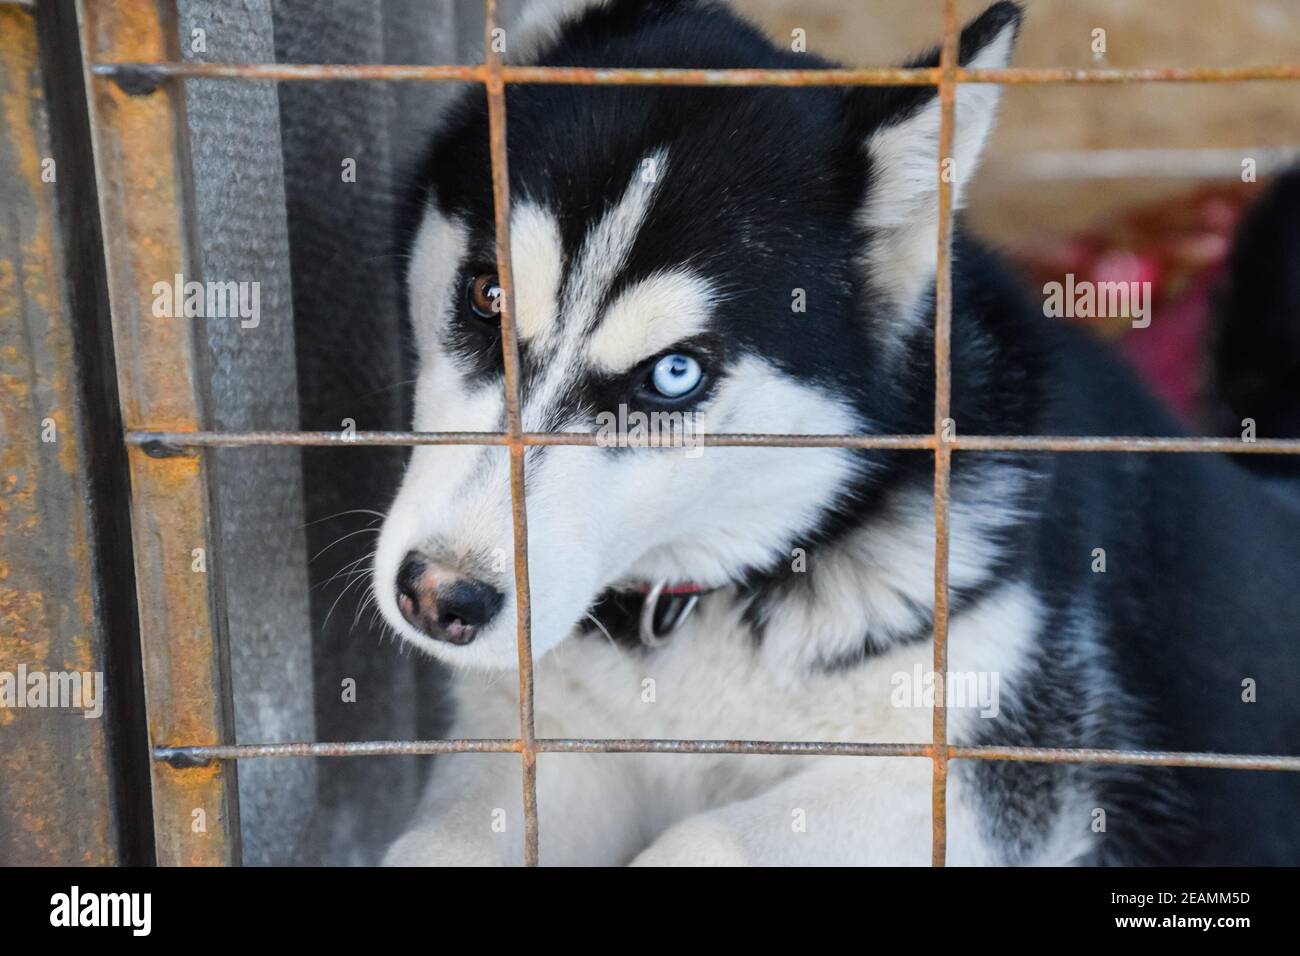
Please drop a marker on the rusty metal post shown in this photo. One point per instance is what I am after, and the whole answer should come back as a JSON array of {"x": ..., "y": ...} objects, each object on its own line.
[
  {"x": 140, "y": 163},
  {"x": 57, "y": 802},
  {"x": 942, "y": 450}
]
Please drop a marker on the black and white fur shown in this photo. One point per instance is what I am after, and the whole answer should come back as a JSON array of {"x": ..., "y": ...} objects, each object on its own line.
[{"x": 757, "y": 193}]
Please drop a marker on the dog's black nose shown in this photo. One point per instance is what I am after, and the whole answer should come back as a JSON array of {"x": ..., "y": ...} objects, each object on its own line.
[{"x": 444, "y": 603}]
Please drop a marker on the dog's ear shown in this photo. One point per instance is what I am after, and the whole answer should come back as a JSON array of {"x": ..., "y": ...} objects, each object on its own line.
[{"x": 899, "y": 127}]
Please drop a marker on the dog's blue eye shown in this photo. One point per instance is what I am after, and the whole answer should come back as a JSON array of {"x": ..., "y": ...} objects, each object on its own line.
[{"x": 676, "y": 375}]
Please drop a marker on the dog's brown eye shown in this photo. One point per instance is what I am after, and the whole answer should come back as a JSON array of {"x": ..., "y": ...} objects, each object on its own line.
[{"x": 484, "y": 294}]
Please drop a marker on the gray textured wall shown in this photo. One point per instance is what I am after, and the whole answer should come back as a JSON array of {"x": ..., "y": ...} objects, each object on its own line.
[
  {"x": 353, "y": 364},
  {"x": 297, "y": 525},
  {"x": 243, "y": 237}
]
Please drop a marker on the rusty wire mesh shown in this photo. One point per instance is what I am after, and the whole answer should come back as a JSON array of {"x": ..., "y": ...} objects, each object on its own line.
[{"x": 142, "y": 78}]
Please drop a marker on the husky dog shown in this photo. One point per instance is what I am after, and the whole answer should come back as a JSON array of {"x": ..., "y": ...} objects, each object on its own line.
[{"x": 763, "y": 260}]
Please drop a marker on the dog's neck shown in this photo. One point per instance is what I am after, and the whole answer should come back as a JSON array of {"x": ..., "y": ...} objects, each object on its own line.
[{"x": 873, "y": 587}]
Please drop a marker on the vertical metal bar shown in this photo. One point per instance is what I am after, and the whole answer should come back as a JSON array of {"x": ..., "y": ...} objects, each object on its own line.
[
  {"x": 140, "y": 164},
  {"x": 942, "y": 453},
  {"x": 57, "y": 806},
  {"x": 514, "y": 424}
]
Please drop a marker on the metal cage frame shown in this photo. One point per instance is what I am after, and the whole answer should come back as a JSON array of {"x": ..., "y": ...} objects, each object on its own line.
[{"x": 133, "y": 73}]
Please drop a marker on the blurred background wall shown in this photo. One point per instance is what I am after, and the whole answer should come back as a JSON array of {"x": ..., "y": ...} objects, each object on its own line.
[
  {"x": 1033, "y": 182},
  {"x": 1134, "y": 182}
]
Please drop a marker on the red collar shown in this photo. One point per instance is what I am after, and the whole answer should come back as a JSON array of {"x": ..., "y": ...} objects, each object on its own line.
[{"x": 667, "y": 589}]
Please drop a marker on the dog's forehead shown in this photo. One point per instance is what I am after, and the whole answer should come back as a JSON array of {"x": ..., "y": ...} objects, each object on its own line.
[
  {"x": 644, "y": 218},
  {"x": 591, "y": 292},
  {"x": 750, "y": 154}
]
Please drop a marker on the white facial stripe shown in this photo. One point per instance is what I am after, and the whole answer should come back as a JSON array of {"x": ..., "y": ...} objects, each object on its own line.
[
  {"x": 606, "y": 247},
  {"x": 435, "y": 264},
  {"x": 602, "y": 256},
  {"x": 649, "y": 317},
  {"x": 538, "y": 259},
  {"x": 757, "y": 396}
]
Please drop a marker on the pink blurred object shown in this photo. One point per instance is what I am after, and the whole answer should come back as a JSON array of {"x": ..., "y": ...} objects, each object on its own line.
[
  {"x": 1179, "y": 246},
  {"x": 1121, "y": 265},
  {"x": 1170, "y": 353}
]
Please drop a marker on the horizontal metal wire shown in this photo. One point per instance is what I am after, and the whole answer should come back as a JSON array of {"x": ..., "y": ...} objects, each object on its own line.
[
  {"x": 165, "y": 444},
  {"x": 194, "y": 756},
  {"x": 182, "y": 757},
  {"x": 144, "y": 76}
]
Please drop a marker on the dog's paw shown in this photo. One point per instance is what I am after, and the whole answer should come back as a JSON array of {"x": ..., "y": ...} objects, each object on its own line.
[
  {"x": 435, "y": 846},
  {"x": 696, "y": 843}
]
